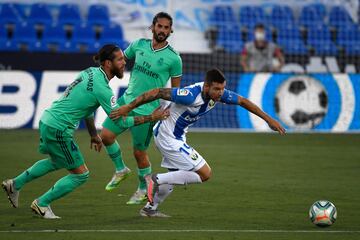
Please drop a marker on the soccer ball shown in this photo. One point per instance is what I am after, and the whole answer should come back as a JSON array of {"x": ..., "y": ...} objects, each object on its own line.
[
  {"x": 301, "y": 102},
  {"x": 323, "y": 213}
]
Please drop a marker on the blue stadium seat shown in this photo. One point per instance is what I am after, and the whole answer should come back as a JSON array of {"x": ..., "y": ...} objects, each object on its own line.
[
  {"x": 289, "y": 39},
  {"x": 24, "y": 35},
  {"x": 320, "y": 39},
  {"x": 349, "y": 38},
  {"x": 222, "y": 15},
  {"x": 312, "y": 15},
  {"x": 69, "y": 14},
  {"x": 339, "y": 17},
  {"x": 9, "y": 14},
  {"x": 53, "y": 37},
  {"x": 281, "y": 16},
  {"x": 112, "y": 34},
  {"x": 230, "y": 39},
  {"x": 249, "y": 16},
  {"x": 98, "y": 15},
  {"x": 83, "y": 38},
  {"x": 40, "y": 14}
]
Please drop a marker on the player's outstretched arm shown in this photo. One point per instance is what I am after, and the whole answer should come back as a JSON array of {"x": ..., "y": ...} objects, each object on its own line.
[
  {"x": 157, "y": 93},
  {"x": 250, "y": 106}
]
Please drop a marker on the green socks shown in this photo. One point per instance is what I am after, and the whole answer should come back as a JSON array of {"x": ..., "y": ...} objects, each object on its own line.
[
  {"x": 141, "y": 174},
  {"x": 40, "y": 168},
  {"x": 62, "y": 187},
  {"x": 114, "y": 153}
]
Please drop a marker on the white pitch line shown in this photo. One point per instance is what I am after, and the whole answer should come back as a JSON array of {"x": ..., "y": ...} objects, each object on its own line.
[{"x": 177, "y": 231}]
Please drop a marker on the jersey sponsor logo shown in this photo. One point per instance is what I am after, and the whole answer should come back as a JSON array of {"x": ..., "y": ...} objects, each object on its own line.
[
  {"x": 192, "y": 119},
  {"x": 113, "y": 101},
  {"x": 183, "y": 92}
]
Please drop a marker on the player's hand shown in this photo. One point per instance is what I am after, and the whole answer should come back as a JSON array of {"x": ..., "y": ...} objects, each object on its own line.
[
  {"x": 96, "y": 143},
  {"x": 276, "y": 126},
  {"x": 122, "y": 111},
  {"x": 160, "y": 114}
]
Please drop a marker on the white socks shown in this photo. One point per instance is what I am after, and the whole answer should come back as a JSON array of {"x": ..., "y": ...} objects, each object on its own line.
[
  {"x": 179, "y": 177},
  {"x": 164, "y": 192}
]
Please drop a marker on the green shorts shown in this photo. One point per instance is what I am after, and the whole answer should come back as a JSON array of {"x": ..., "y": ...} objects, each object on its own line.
[
  {"x": 141, "y": 134},
  {"x": 61, "y": 147}
]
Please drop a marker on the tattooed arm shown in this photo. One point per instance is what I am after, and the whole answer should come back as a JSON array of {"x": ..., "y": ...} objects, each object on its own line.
[{"x": 157, "y": 93}]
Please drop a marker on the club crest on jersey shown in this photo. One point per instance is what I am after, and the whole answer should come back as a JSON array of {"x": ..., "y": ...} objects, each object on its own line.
[
  {"x": 160, "y": 61},
  {"x": 194, "y": 155},
  {"x": 113, "y": 101},
  {"x": 211, "y": 103},
  {"x": 182, "y": 92}
]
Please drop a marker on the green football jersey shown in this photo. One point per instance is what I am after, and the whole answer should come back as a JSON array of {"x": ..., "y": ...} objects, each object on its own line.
[
  {"x": 152, "y": 69},
  {"x": 81, "y": 99}
]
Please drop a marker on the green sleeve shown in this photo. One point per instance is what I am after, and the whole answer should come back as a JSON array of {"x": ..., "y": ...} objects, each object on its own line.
[
  {"x": 106, "y": 99},
  {"x": 108, "y": 102},
  {"x": 130, "y": 50},
  {"x": 176, "y": 68}
]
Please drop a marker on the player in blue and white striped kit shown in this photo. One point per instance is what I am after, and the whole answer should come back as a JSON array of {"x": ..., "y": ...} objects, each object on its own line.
[{"x": 184, "y": 163}]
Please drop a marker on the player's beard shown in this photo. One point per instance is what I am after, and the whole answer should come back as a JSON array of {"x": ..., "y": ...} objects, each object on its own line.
[
  {"x": 158, "y": 39},
  {"x": 118, "y": 73}
]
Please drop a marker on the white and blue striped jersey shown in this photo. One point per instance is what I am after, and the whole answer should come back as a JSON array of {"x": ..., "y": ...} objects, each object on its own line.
[{"x": 187, "y": 106}]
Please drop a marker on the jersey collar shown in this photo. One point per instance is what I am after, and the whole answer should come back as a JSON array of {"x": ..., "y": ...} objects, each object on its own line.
[
  {"x": 101, "y": 70},
  {"x": 157, "y": 50}
]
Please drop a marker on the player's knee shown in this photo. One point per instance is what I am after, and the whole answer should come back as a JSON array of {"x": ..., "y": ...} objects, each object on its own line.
[
  {"x": 107, "y": 137},
  {"x": 206, "y": 175}
]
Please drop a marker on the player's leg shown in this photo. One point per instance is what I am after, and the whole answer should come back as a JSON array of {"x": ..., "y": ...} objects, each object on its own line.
[
  {"x": 108, "y": 135},
  {"x": 176, "y": 155},
  {"x": 65, "y": 154},
  {"x": 151, "y": 209},
  {"x": 141, "y": 136},
  {"x": 12, "y": 186},
  {"x": 38, "y": 169}
]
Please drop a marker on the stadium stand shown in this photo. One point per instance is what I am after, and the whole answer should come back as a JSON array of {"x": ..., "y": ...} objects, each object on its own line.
[{"x": 314, "y": 30}]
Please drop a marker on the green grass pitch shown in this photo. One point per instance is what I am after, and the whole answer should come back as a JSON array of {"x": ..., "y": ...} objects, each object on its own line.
[{"x": 262, "y": 188}]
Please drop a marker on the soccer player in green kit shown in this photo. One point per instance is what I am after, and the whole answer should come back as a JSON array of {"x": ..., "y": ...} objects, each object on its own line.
[
  {"x": 155, "y": 62},
  {"x": 58, "y": 123}
]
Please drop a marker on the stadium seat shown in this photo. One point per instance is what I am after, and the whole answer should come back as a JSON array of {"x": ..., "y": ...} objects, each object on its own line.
[
  {"x": 289, "y": 39},
  {"x": 349, "y": 38},
  {"x": 98, "y": 15},
  {"x": 53, "y": 37},
  {"x": 281, "y": 15},
  {"x": 319, "y": 38},
  {"x": 69, "y": 14},
  {"x": 249, "y": 16},
  {"x": 229, "y": 38},
  {"x": 112, "y": 34},
  {"x": 222, "y": 15},
  {"x": 312, "y": 15},
  {"x": 339, "y": 17},
  {"x": 9, "y": 14},
  {"x": 83, "y": 38},
  {"x": 24, "y": 35},
  {"x": 40, "y": 14}
]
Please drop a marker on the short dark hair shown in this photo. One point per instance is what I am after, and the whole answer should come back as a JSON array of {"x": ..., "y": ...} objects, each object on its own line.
[
  {"x": 214, "y": 75},
  {"x": 259, "y": 26},
  {"x": 162, "y": 15},
  {"x": 106, "y": 53}
]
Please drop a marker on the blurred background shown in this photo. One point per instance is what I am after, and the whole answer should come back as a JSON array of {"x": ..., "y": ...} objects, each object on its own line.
[{"x": 298, "y": 60}]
